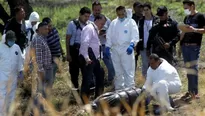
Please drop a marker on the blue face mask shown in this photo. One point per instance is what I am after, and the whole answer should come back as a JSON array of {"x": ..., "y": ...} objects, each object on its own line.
[
  {"x": 10, "y": 43},
  {"x": 122, "y": 19}
]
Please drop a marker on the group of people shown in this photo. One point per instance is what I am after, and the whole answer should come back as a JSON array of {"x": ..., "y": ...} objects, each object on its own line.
[{"x": 92, "y": 37}]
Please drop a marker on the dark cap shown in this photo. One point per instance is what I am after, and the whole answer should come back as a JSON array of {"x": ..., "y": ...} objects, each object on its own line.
[
  {"x": 190, "y": 2},
  {"x": 42, "y": 24},
  {"x": 161, "y": 10},
  {"x": 137, "y": 4},
  {"x": 10, "y": 35}
]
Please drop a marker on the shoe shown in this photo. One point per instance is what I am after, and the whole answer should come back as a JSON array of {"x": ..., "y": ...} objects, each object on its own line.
[
  {"x": 187, "y": 95},
  {"x": 195, "y": 96},
  {"x": 170, "y": 109},
  {"x": 192, "y": 97}
]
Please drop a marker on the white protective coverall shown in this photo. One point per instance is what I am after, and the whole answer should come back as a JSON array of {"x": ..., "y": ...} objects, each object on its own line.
[
  {"x": 34, "y": 17},
  {"x": 119, "y": 36},
  {"x": 163, "y": 81},
  {"x": 11, "y": 63}
]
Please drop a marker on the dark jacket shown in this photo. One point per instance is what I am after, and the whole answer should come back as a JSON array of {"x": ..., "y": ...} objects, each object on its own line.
[
  {"x": 167, "y": 30},
  {"x": 20, "y": 32},
  {"x": 140, "y": 45}
]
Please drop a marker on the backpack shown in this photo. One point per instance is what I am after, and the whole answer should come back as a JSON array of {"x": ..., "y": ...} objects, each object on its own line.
[{"x": 77, "y": 24}]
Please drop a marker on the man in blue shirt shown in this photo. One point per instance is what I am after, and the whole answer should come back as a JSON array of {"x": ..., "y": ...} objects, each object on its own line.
[{"x": 73, "y": 38}]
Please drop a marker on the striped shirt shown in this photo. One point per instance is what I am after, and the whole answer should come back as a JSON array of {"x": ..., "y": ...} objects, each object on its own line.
[
  {"x": 42, "y": 52},
  {"x": 53, "y": 41}
]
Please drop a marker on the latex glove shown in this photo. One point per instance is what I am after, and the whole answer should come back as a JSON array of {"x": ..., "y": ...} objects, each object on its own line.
[
  {"x": 20, "y": 76},
  {"x": 130, "y": 48},
  {"x": 107, "y": 51}
]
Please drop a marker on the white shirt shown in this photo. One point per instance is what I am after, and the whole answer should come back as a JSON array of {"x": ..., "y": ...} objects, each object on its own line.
[
  {"x": 147, "y": 27},
  {"x": 165, "y": 71}
]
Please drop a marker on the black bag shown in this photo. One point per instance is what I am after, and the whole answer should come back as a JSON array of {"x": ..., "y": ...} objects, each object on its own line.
[{"x": 114, "y": 99}]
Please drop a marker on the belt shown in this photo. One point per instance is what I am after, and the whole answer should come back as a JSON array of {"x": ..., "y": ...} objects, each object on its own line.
[
  {"x": 190, "y": 44},
  {"x": 103, "y": 45}
]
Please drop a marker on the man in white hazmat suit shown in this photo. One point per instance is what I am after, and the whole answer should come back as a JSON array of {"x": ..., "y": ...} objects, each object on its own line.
[
  {"x": 31, "y": 26},
  {"x": 122, "y": 37},
  {"x": 162, "y": 80},
  {"x": 11, "y": 66}
]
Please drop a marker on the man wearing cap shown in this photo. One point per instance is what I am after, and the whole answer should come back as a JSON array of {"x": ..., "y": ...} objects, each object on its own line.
[
  {"x": 97, "y": 9},
  {"x": 163, "y": 36},
  {"x": 191, "y": 44},
  {"x": 11, "y": 67},
  {"x": 122, "y": 37}
]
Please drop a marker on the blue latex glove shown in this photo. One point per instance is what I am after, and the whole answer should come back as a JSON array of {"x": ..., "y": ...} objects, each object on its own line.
[
  {"x": 20, "y": 76},
  {"x": 130, "y": 48},
  {"x": 107, "y": 51}
]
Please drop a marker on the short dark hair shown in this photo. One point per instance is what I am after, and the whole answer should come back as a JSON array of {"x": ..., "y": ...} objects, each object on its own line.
[
  {"x": 154, "y": 57},
  {"x": 85, "y": 10},
  {"x": 99, "y": 17},
  {"x": 17, "y": 9},
  {"x": 189, "y": 2},
  {"x": 95, "y": 3},
  {"x": 148, "y": 5},
  {"x": 120, "y": 8},
  {"x": 42, "y": 24},
  {"x": 47, "y": 20}
]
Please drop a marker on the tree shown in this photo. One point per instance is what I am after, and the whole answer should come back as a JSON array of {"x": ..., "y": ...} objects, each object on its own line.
[{"x": 12, "y": 4}]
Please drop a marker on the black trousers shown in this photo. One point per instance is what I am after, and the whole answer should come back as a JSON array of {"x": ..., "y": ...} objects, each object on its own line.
[
  {"x": 88, "y": 71},
  {"x": 74, "y": 65}
]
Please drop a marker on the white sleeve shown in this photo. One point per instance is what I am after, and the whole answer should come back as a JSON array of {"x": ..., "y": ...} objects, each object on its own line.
[
  {"x": 20, "y": 60},
  {"x": 148, "y": 83},
  {"x": 134, "y": 32}
]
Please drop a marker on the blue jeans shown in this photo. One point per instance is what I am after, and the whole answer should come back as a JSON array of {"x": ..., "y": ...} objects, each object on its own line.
[
  {"x": 191, "y": 57},
  {"x": 44, "y": 87},
  {"x": 145, "y": 62},
  {"x": 55, "y": 68},
  {"x": 108, "y": 63}
]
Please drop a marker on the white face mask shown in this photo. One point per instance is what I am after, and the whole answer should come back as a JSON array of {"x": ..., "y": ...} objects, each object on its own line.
[{"x": 187, "y": 11}]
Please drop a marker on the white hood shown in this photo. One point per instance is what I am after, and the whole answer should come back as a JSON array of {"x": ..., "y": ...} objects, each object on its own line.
[
  {"x": 129, "y": 13},
  {"x": 34, "y": 17}
]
